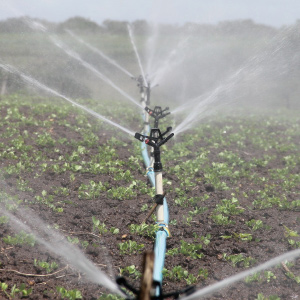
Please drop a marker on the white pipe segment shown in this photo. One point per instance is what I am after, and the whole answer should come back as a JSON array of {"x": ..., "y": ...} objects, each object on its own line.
[{"x": 159, "y": 191}]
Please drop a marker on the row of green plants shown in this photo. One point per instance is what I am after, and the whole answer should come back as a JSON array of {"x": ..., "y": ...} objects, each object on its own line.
[{"x": 42, "y": 151}]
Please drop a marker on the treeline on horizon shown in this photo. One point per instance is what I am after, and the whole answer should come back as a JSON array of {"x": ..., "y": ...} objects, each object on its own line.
[
  {"x": 19, "y": 25},
  {"x": 213, "y": 54}
]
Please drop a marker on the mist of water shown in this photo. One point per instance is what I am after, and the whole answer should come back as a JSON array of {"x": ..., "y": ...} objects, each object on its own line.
[
  {"x": 39, "y": 85},
  {"x": 235, "y": 278},
  {"x": 108, "y": 59},
  {"x": 137, "y": 55},
  {"x": 171, "y": 60},
  {"x": 223, "y": 95},
  {"x": 151, "y": 46},
  {"x": 76, "y": 56},
  {"x": 57, "y": 244},
  {"x": 37, "y": 26},
  {"x": 201, "y": 104}
]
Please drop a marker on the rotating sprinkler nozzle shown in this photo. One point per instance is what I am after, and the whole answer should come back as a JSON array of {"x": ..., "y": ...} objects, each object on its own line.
[
  {"x": 155, "y": 140},
  {"x": 158, "y": 113},
  {"x": 145, "y": 88}
]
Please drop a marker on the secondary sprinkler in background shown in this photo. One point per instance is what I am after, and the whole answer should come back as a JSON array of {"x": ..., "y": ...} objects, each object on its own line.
[
  {"x": 158, "y": 113},
  {"x": 145, "y": 89}
]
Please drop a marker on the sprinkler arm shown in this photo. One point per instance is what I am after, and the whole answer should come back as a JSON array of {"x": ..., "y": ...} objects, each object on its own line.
[
  {"x": 140, "y": 82},
  {"x": 155, "y": 140},
  {"x": 157, "y": 113}
]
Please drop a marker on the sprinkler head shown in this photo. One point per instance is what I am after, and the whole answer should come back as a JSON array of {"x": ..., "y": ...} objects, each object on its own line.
[
  {"x": 158, "y": 113},
  {"x": 156, "y": 138}
]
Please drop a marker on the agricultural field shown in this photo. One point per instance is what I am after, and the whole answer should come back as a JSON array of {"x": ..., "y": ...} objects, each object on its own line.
[{"x": 233, "y": 190}]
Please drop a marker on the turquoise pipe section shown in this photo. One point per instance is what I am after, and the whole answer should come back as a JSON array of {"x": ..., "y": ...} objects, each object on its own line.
[{"x": 159, "y": 254}]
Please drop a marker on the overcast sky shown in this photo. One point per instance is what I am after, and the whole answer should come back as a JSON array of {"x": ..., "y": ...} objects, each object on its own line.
[{"x": 270, "y": 12}]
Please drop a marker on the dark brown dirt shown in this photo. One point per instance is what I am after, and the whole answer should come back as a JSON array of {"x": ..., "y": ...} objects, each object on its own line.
[{"x": 76, "y": 221}]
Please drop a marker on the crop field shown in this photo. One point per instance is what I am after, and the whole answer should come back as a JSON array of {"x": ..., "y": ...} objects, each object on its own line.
[
  {"x": 233, "y": 189},
  {"x": 75, "y": 194}
]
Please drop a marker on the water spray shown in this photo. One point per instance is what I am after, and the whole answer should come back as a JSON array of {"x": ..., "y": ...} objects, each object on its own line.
[
  {"x": 110, "y": 60},
  {"x": 77, "y": 57},
  {"x": 209, "y": 290},
  {"x": 136, "y": 53},
  {"x": 40, "y": 85},
  {"x": 145, "y": 92},
  {"x": 57, "y": 244},
  {"x": 58, "y": 43}
]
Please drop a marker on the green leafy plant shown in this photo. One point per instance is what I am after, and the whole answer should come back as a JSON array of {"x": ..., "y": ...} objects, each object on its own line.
[
  {"x": 254, "y": 224},
  {"x": 220, "y": 219},
  {"x": 110, "y": 297},
  {"x": 130, "y": 271},
  {"x": 261, "y": 296},
  {"x": 187, "y": 249},
  {"x": 69, "y": 294},
  {"x": 21, "y": 290},
  {"x": 92, "y": 190},
  {"x": 144, "y": 229},
  {"x": 243, "y": 236},
  {"x": 3, "y": 220},
  {"x": 20, "y": 239},
  {"x": 100, "y": 227},
  {"x": 130, "y": 247},
  {"x": 178, "y": 273},
  {"x": 49, "y": 267},
  {"x": 239, "y": 260}
]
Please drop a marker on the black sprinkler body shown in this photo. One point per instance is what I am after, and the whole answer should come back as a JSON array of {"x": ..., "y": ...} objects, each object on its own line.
[
  {"x": 143, "y": 87},
  {"x": 157, "y": 113},
  {"x": 155, "y": 140}
]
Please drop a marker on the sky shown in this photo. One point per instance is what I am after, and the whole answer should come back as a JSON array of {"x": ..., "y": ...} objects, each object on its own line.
[{"x": 270, "y": 12}]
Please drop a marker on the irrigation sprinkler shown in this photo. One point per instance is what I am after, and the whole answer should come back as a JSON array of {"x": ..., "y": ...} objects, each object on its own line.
[
  {"x": 156, "y": 140},
  {"x": 142, "y": 86},
  {"x": 157, "y": 113},
  {"x": 151, "y": 283}
]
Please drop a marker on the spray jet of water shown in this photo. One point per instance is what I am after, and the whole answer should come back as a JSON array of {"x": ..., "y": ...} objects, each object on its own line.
[
  {"x": 137, "y": 54},
  {"x": 61, "y": 247},
  {"x": 40, "y": 85},
  {"x": 169, "y": 62},
  {"x": 151, "y": 47},
  {"x": 250, "y": 70},
  {"x": 198, "y": 110},
  {"x": 232, "y": 279},
  {"x": 76, "y": 56},
  {"x": 37, "y": 26},
  {"x": 110, "y": 60}
]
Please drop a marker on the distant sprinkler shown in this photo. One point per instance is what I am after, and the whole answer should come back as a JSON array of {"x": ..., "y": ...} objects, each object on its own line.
[{"x": 145, "y": 88}]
